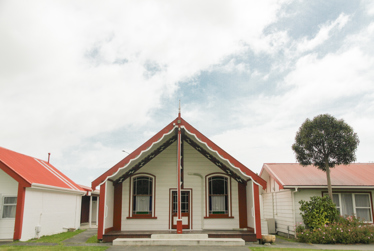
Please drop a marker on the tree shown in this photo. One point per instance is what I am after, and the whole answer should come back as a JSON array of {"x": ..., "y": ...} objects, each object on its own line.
[{"x": 325, "y": 142}]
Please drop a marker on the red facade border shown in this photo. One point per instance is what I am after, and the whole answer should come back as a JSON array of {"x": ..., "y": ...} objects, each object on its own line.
[
  {"x": 100, "y": 227},
  {"x": 19, "y": 212},
  {"x": 256, "y": 195}
]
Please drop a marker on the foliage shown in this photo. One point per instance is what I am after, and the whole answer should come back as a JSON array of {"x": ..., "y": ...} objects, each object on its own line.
[
  {"x": 325, "y": 142},
  {"x": 318, "y": 211},
  {"x": 348, "y": 230},
  {"x": 56, "y": 238}
]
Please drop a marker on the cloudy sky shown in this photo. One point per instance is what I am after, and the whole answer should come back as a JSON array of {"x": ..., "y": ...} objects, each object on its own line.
[{"x": 85, "y": 79}]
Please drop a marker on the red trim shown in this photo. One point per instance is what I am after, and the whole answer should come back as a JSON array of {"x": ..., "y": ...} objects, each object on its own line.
[
  {"x": 242, "y": 197},
  {"x": 190, "y": 204},
  {"x": 207, "y": 215},
  {"x": 14, "y": 175},
  {"x": 256, "y": 195},
  {"x": 141, "y": 217},
  {"x": 117, "y": 207},
  {"x": 109, "y": 229},
  {"x": 19, "y": 212},
  {"x": 167, "y": 129},
  {"x": 134, "y": 154},
  {"x": 220, "y": 216},
  {"x": 224, "y": 154},
  {"x": 100, "y": 227},
  {"x": 179, "y": 220},
  {"x": 131, "y": 216}
]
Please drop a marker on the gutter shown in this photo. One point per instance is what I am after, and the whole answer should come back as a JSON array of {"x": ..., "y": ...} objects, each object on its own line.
[{"x": 57, "y": 189}]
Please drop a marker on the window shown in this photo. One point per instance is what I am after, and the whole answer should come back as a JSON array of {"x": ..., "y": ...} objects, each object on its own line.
[
  {"x": 9, "y": 207},
  {"x": 142, "y": 199},
  {"x": 218, "y": 197},
  {"x": 357, "y": 204}
]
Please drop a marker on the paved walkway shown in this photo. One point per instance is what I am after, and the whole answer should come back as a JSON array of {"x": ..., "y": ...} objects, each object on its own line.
[{"x": 80, "y": 240}]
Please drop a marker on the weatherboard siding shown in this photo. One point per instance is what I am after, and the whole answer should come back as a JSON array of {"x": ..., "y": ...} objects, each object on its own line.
[
  {"x": 55, "y": 212},
  {"x": 163, "y": 167},
  {"x": 109, "y": 204},
  {"x": 195, "y": 162},
  {"x": 8, "y": 187}
]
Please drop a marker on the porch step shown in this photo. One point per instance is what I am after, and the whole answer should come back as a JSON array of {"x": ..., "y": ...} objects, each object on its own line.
[{"x": 178, "y": 240}]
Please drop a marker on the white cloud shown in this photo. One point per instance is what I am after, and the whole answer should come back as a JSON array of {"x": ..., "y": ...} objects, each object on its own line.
[{"x": 323, "y": 34}]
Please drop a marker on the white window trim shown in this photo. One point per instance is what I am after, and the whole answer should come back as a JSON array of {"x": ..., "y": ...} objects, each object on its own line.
[
  {"x": 354, "y": 204},
  {"x": 3, "y": 196},
  {"x": 132, "y": 194},
  {"x": 229, "y": 206}
]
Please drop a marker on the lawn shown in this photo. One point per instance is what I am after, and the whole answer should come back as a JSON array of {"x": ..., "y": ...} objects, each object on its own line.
[
  {"x": 53, "y": 248},
  {"x": 55, "y": 239}
]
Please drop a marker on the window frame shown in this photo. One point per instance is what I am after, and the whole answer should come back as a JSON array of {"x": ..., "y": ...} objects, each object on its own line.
[
  {"x": 353, "y": 194},
  {"x": 132, "y": 215},
  {"x": 208, "y": 215},
  {"x": 8, "y": 204}
]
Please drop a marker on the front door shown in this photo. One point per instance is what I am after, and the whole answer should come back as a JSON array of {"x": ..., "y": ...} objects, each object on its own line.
[{"x": 185, "y": 209}]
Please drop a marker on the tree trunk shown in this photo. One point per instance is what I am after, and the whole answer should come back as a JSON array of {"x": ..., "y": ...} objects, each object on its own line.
[{"x": 329, "y": 188}]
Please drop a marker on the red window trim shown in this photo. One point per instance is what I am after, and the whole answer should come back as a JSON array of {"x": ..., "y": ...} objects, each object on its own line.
[
  {"x": 143, "y": 216},
  {"x": 229, "y": 194}
]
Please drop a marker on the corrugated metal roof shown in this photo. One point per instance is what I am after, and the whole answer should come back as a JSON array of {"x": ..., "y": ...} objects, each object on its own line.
[
  {"x": 35, "y": 171},
  {"x": 355, "y": 174}
]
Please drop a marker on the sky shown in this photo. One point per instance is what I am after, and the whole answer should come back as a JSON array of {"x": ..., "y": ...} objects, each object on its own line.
[{"x": 85, "y": 80}]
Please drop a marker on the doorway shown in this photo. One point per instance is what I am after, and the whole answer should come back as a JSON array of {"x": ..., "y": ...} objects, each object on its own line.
[{"x": 185, "y": 209}]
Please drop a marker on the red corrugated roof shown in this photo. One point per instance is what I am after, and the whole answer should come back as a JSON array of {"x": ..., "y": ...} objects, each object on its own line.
[
  {"x": 29, "y": 170},
  {"x": 355, "y": 174}
]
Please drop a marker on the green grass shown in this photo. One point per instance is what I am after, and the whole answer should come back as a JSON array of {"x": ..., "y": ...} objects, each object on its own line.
[
  {"x": 290, "y": 249},
  {"x": 52, "y": 248},
  {"x": 92, "y": 239},
  {"x": 285, "y": 238},
  {"x": 56, "y": 238}
]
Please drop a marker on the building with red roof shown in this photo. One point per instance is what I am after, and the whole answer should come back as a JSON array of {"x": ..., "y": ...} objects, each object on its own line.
[
  {"x": 287, "y": 184},
  {"x": 35, "y": 198},
  {"x": 176, "y": 181}
]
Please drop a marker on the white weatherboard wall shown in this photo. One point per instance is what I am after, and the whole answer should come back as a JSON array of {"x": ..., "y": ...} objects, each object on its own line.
[
  {"x": 163, "y": 166},
  {"x": 8, "y": 187},
  {"x": 109, "y": 204},
  {"x": 196, "y": 163},
  {"x": 54, "y": 211},
  {"x": 250, "y": 206}
]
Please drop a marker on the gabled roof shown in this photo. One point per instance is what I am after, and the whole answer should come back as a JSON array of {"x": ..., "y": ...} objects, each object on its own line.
[
  {"x": 163, "y": 139},
  {"x": 296, "y": 175},
  {"x": 33, "y": 172}
]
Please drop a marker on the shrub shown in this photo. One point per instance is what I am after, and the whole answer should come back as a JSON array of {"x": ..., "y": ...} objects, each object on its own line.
[
  {"x": 319, "y": 211},
  {"x": 348, "y": 230}
]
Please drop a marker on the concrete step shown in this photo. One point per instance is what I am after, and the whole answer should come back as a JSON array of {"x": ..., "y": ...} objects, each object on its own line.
[
  {"x": 179, "y": 236},
  {"x": 178, "y": 241}
]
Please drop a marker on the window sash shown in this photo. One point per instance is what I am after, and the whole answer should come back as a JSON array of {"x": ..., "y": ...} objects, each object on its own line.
[
  {"x": 218, "y": 189},
  {"x": 9, "y": 207},
  {"x": 142, "y": 199},
  {"x": 357, "y": 204}
]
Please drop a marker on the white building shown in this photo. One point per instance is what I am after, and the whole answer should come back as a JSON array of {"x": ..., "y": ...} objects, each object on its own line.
[{"x": 35, "y": 198}]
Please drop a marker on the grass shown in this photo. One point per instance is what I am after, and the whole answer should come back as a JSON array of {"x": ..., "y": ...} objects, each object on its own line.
[
  {"x": 92, "y": 239},
  {"x": 285, "y": 238},
  {"x": 56, "y": 238},
  {"x": 52, "y": 248}
]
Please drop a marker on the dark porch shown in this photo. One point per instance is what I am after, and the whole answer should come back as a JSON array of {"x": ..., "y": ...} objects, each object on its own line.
[{"x": 246, "y": 235}]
